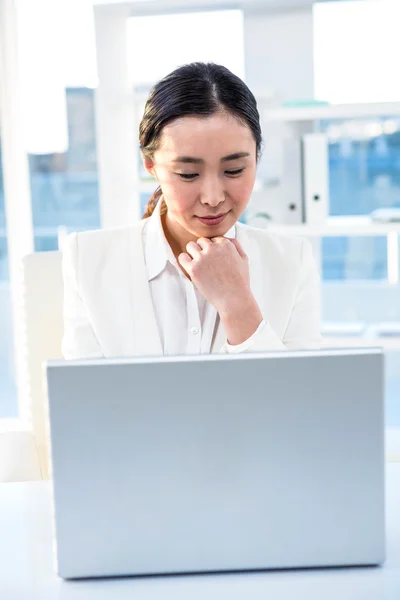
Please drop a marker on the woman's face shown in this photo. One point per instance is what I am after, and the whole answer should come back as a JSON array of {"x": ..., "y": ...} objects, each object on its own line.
[{"x": 206, "y": 168}]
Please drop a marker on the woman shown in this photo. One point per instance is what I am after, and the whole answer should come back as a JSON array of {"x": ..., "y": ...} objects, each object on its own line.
[{"x": 190, "y": 279}]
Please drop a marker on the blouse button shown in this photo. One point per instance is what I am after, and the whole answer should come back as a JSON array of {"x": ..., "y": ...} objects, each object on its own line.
[{"x": 194, "y": 330}]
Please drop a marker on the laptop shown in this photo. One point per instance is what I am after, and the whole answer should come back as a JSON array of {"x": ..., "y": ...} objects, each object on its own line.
[{"x": 217, "y": 463}]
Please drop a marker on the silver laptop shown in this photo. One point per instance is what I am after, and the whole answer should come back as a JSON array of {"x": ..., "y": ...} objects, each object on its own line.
[{"x": 214, "y": 463}]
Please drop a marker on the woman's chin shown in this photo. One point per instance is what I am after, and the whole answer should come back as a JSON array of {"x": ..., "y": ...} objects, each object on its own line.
[{"x": 211, "y": 229}]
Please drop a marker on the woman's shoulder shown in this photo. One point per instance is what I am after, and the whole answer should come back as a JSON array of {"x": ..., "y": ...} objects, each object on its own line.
[
  {"x": 106, "y": 235},
  {"x": 100, "y": 246},
  {"x": 273, "y": 244},
  {"x": 279, "y": 254},
  {"x": 97, "y": 238}
]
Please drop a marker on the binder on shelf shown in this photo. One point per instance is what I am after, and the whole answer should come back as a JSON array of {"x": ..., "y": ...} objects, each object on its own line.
[
  {"x": 315, "y": 169},
  {"x": 292, "y": 182}
]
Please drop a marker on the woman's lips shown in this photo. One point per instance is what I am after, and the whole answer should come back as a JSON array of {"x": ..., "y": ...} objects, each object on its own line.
[{"x": 212, "y": 221}]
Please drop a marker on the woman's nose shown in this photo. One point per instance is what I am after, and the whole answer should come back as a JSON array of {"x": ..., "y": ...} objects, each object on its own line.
[{"x": 212, "y": 193}]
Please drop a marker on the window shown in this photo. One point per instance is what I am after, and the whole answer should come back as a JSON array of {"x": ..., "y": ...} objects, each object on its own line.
[
  {"x": 355, "y": 50},
  {"x": 56, "y": 98},
  {"x": 64, "y": 186},
  {"x": 364, "y": 168},
  {"x": 8, "y": 404}
]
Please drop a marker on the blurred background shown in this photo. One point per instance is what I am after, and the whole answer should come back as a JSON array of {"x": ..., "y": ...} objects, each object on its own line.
[{"x": 74, "y": 78}]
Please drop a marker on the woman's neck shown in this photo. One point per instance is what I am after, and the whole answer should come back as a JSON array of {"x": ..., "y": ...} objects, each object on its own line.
[{"x": 177, "y": 237}]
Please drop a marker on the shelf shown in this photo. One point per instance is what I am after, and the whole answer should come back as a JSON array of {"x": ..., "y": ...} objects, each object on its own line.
[
  {"x": 333, "y": 111},
  {"x": 385, "y": 334},
  {"x": 337, "y": 226},
  {"x": 387, "y": 343}
]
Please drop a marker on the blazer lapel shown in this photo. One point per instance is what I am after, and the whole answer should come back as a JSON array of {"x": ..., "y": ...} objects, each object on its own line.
[
  {"x": 252, "y": 250},
  {"x": 146, "y": 338},
  {"x": 257, "y": 269},
  {"x": 219, "y": 338}
]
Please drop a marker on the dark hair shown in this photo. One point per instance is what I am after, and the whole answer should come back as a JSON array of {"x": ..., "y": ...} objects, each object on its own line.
[{"x": 197, "y": 89}]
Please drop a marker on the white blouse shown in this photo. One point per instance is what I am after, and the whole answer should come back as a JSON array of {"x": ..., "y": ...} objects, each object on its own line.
[{"x": 186, "y": 321}]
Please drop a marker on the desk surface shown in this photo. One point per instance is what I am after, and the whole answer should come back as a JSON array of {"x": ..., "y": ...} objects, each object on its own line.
[{"x": 26, "y": 564}]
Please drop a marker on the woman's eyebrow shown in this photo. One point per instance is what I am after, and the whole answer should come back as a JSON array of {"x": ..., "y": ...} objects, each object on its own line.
[
  {"x": 235, "y": 156},
  {"x": 188, "y": 159},
  {"x": 193, "y": 160}
]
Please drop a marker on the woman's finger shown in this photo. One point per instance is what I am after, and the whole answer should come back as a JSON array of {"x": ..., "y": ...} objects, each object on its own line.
[
  {"x": 238, "y": 247},
  {"x": 185, "y": 260},
  {"x": 193, "y": 249},
  {"x": 219, "y": 240},
  {"x": 204, "y": 243}
]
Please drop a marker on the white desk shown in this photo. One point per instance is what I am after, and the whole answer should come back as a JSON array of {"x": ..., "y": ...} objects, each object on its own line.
[{"x": 26, "y": 564}]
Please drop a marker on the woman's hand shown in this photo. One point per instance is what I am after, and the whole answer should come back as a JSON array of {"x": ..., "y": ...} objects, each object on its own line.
[{"x": 219, "y": 268}]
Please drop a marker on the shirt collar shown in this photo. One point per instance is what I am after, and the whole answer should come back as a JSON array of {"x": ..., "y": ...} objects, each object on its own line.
[{"x": 157, "y": 250}]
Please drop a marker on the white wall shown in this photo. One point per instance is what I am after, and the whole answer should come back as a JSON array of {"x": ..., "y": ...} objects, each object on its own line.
[{"x": 279, "y": 52}]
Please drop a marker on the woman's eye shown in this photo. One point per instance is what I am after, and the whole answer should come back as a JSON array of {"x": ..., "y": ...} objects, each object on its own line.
[
  {"x": 235, "y": 172},
  {"x": 191, "y": 176},
  {"x": 187, "y": 176}
]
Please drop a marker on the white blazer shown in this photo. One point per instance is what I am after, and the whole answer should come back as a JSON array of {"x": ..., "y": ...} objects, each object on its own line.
[{"x": 108, "y": 310}]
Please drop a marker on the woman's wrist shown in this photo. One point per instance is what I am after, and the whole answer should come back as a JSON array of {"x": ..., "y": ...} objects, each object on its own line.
[{"x": 241, "y": 320}]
